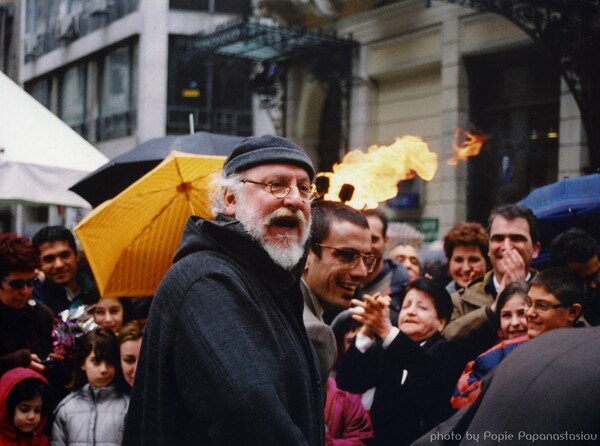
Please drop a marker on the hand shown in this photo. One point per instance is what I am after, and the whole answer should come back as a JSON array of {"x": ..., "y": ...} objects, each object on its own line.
[
  {"x": 36, "y": 364},
  {"x": 58, "y": 354},
  {"x": 374, "y": 313},
  {"x": 512, "y": 267}
]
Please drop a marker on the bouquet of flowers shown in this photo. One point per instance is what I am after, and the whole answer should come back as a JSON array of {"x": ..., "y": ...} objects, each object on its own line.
[{"x": 70, "y": 325}]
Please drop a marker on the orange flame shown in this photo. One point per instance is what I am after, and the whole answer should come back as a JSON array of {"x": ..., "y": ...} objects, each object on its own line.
[
  {"x": 375, "y": 174},
  {"x": 471, "y": 146}
]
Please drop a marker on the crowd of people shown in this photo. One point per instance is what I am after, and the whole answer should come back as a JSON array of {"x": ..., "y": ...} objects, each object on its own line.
[{"x": 285, "y": 320}]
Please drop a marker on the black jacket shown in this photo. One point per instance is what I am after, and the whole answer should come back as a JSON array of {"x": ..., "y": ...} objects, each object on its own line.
[
  {"x": 413, "y": 384},
  {"x": 225, "y": 357}
]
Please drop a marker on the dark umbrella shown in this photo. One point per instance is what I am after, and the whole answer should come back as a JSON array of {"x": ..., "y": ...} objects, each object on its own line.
[
  {"x": 110, "y": 179},
  {"x": 568, "y": 203}
]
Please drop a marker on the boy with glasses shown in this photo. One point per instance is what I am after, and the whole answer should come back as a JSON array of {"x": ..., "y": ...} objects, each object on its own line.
[
  {"x": 554, "y": 300},
  {"x": 25, "y": 325}
]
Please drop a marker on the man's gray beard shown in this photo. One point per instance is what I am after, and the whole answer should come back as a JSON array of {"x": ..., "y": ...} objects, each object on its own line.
[{"x": 285, "y": 256}]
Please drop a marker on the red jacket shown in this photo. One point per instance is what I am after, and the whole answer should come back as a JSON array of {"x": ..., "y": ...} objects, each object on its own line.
[
  {"x": 348, "y": 423},
  {"x": 9, "y": 435}
]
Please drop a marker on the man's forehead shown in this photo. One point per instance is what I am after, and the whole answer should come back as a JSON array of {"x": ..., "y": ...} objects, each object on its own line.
[
  {"x": 55, "y": 246},
  {"x": 346, "y": 230},
  {"x": 277, "y": 169},
  {"x": 516, "y": 225}
]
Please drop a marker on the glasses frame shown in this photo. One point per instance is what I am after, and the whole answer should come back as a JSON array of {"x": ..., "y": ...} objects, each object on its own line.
[
  {"x": 353, "y": 263},
  {"x": 545, "y": 307},
  {"x": 22, "y": 283},
  {"x": 313, "y": 194}
]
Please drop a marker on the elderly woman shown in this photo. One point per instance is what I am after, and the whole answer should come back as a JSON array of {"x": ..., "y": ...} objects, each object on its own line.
[
  {"x": 413, "y": 368},
  {"x": 465, "y": 246}
]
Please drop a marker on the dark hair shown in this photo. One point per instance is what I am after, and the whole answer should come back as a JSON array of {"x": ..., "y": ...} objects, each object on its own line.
[
  {"x": 514, "y": 211},
  {"x": 378, "y": 214},
  {"x": 566, "y": 285},
  {"x": 343, "y": 323},
  {"x": 573, "y": 245},
  {"x": 26, "y": 390},
  {"x": 466, "y": 234},
  {"x": 49, "y": 234},
  {"x": 518, "y": 287},
  {"x": 439, "y": 295},
  {"x": 16, "y": 254},
  {"x": 105, "y": 346},
  {"x": 324, "y": 214},
  {"x": 132, "y": 331}
]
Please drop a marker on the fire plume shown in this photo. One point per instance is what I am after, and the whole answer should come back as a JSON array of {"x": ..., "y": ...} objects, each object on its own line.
[
  {"x": 375, "y": 174},
  {"x": 470, "y": 146}
]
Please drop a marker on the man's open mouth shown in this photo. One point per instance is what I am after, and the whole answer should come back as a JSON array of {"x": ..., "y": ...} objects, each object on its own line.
[{"x": 289, "y": 222}]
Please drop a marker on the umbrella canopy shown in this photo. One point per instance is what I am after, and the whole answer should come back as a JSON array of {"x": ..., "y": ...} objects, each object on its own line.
[
  {"x": 568, "y": 203},
  {"x": 110, "y": 179},
  {"x": 130, "y": 240},
  {"x": 566, "y": 197},
  {"x": 40, "y": 155}
]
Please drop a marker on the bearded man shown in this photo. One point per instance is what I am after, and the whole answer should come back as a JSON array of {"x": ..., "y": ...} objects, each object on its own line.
[{"x": 225, "y": 357}]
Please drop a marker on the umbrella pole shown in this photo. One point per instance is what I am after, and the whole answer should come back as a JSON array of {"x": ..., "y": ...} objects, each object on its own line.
[{"x": 191, "y": 117}]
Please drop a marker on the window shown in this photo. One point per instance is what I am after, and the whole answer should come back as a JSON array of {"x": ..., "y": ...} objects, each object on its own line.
[
  {"x": 40, "y": 90},
  {"x": 242, "y": 7},
  {"x": 72, "y": 102},
  {"x": 215, "y": 91},
  {"x": 514, "y": 98},
  {"x": 117, "y": 95}
]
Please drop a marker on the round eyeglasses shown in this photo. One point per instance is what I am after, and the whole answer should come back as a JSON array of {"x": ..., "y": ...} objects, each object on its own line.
[
  {"x": 351, "y": 256},
  {"x": 308, "y": 192},
  {"x": 540, "y": 305}
]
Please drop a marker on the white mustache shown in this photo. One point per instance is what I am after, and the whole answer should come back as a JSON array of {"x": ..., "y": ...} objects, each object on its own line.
[{"x": 285, "y": 213}]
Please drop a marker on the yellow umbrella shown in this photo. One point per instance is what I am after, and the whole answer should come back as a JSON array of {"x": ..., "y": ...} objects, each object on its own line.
[{"x": 130, "y": 240}]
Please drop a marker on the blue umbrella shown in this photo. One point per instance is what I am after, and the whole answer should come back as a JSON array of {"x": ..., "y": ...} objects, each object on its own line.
[
  {"x": 565, "y": 198},
  {"x": 568, "y": 203}
]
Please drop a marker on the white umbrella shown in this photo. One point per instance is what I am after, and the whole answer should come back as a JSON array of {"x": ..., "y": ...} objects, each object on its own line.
[{"x": 40, "y": 155}]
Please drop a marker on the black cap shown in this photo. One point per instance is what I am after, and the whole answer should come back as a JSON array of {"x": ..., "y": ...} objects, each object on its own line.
[{"x": 267, "y": 149}]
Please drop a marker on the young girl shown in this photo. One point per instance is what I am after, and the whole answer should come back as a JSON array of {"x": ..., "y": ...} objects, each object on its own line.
[
  {"x": 23, "y": 408},
  {"x": 512, "y": 332},
  {"x": 94, "y": 413}
]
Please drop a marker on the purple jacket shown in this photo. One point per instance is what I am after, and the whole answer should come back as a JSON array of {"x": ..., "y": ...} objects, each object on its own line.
[{"x": 348, "y": 423}]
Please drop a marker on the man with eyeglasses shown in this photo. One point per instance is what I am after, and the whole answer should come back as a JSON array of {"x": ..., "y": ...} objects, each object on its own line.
[
  {"x": 225, "y": 357},
  {"x": 578, "y": 251},
  {"x": 25, "y": 325},
  {"x": 338, "y": 261},
  {"x": 513, "y": 244},
  {"x": 64, "y": 285}
]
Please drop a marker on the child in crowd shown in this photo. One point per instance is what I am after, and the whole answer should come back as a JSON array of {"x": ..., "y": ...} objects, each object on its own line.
[
  {"x": 552, "y": 300},
  {"x": 94, "y": 413},
  {"x": 111, "y": 313},
  {"x": 130, "y": 341},
  {"x": 23, "y": 408}
]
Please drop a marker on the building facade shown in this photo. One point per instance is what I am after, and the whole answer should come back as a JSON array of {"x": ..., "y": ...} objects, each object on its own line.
[{"x": 120, "y": 72}]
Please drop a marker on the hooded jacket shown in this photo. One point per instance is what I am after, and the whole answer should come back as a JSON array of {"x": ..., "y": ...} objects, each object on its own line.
[
  {"x": 9, "y": 435},
  {"x": 90, "y": 416},
  {"x": 225, "y": 358}
]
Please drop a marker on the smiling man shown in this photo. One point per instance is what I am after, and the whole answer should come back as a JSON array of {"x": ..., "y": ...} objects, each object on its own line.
[
  {"x": 338, "y": 261},
  {"x": 225, "y": 357},
  {"x": 513, "y": 244},
  {"x": 64, "y": 285}
]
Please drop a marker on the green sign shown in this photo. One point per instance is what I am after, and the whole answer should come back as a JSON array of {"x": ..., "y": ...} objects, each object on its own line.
[{"x": 428, "y": 226}]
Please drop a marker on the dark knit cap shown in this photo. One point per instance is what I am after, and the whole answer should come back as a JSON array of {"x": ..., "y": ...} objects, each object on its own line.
[{"x": 267, "y": 149}]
